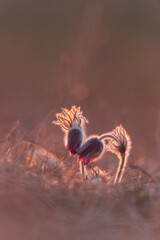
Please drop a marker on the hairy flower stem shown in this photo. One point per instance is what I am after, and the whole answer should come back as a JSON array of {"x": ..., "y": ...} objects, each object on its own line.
[
  {"x": 120, "y": 171},
  {"x": 106, "y": 136},
  {"x": 82, "y": 169}
]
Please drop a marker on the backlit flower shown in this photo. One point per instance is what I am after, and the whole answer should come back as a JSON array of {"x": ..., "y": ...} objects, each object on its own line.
[
  {"x": 91, "y": 150},
  {"x": 74, "y": 139},
  {"x": 120, "y": 145},
  {"x": 72, "y": 123}
]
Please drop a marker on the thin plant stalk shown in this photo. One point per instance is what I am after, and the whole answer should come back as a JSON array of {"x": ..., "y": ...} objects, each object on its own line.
[
  {"x": 82, "y": 169},
  {"x": 120, "y": 170}
]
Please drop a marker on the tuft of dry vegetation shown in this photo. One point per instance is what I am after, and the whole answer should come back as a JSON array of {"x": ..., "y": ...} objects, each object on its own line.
[{"x": 45, "y": 197}]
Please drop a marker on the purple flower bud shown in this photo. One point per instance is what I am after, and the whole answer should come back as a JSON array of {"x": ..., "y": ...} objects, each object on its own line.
[
  {"x": 90, "y": 150},
  {"x": 74, "y": 140}
]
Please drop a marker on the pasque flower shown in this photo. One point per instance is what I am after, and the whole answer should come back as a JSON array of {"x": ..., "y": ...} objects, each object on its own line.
[
  {"x": 72, "y": 123},
  {"x": 91, "y": 150},
  {"x": 75, "y": 137}
]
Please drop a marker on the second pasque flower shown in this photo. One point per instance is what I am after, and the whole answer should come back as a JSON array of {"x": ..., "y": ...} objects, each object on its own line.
[
  {"x": 72, "y": 123},
  {"x": 91, "y": 150}
]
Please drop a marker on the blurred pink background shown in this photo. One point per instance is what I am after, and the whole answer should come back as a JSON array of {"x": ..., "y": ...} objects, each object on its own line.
[{"x": 101, "y": 55}]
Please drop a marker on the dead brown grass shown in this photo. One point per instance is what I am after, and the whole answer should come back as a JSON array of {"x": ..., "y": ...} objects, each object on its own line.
[{"x": 45, "y": 197}]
